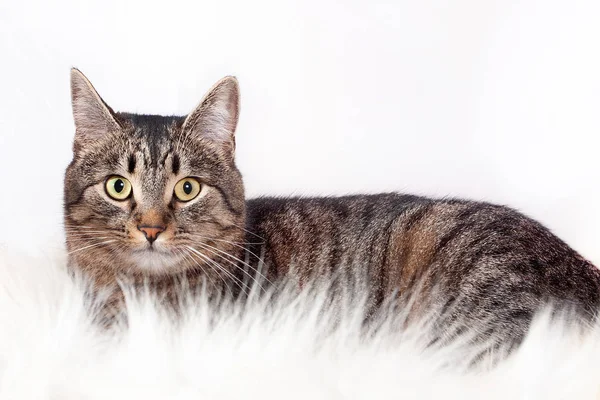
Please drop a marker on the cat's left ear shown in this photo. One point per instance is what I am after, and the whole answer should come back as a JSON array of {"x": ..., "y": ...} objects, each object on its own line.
[{"x": 216, "y": 118}]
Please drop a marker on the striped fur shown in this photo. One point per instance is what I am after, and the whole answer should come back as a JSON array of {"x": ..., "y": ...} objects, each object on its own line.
[{"x": 477, "y": 262}]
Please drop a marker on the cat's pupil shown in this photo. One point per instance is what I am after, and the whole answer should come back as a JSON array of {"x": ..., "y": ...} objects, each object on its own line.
[
  {"x": 119, "y": 185},
  {"x": 187, "y": 187}
]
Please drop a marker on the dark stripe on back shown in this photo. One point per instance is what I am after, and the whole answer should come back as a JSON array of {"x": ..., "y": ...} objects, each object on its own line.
[
  {"x": 416, "y": 216},
  {"x": 465, "y": 224}
]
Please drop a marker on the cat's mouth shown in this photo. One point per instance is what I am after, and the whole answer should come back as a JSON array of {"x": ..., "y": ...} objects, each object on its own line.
[{"x": 155, "y": 260}]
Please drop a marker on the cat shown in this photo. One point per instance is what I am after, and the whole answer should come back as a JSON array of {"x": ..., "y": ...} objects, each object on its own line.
[{"x": 154, "y": 197}]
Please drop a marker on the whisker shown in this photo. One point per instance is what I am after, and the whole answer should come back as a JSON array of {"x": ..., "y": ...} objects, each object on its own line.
[
  {"x": 234, "y": 264},
  {"x": 91, "y": 246},
  {"x": 252, "y": 233},
  {"x": 237, "y": 259},
  {"x": 93, "y": 235},
  {"x": 187, "y": 257},
  {"x": 185, "y": 234},
  {"x": 82, "y": 238},
  {"x": 236, "y": 280},
  {"x": 212, "y": 264},
  {"x": 84, "y": 231},
  {"x": 237, "y": 244},
  {"x": 220, "y": 268},
  {"x": 83, "y": 227},
  {"x": 90, "y": 228},
  {"x": 247, "y": 266}
]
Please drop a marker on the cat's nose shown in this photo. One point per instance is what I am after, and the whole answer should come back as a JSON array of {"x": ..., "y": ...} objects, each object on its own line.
[{"x": 151, "y": 232}]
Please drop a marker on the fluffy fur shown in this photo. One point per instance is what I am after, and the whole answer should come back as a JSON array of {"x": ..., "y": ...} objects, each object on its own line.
[
  {"x": 484, "y": 264},
  {"x": 296, "y": 347}
]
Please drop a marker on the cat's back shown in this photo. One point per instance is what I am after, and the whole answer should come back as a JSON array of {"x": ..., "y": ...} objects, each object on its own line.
[
  {"x": 319, "y": 234},
  {"x": 388, "y": 232},
  {"x": 352, "y": 211}
]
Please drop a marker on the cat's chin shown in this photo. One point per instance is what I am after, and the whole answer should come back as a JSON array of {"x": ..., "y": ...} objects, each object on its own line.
[{"x": 154, "y": 261}]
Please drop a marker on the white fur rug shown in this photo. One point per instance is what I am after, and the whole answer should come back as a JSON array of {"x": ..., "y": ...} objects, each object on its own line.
[{"x": 50, "y": 350}]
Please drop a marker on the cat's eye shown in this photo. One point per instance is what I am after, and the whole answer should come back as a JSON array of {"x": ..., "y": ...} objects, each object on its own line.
[
  {"x": 187, "y": 189},
  {"x": 118, "y": 187}
]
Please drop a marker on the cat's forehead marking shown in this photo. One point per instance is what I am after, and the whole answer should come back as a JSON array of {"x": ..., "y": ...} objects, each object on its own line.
[
  {"x": 152, "y": 137},
  {"x": 131, "y": 163},
  {"x": 149, "y": 155},
  {"x": 175, "y": 164}
]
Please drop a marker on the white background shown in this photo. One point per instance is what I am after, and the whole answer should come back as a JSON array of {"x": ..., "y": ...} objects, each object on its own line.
[{"x": 491, "y": 100}]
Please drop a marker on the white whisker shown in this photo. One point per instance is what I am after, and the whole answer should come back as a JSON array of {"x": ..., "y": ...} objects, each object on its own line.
[
  {"x": 252, "y": 233},
  {"x": 209, "y": 247},
  {"x": 186, "y": 256},
  {"x": 236, "y": 280},
  {"x": 236, "y": 244},
  {"x": 91, "y": 246}
]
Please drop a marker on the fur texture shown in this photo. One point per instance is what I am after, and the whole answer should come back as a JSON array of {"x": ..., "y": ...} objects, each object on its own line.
[
  {"x": 154, "y": 153},
  {"x": 296, "y": 347},
  {"x": 480, "y": 263}
]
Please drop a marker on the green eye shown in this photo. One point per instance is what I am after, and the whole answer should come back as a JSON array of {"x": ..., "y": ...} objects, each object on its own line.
[
  {"x": 118, "y": 187},
  {"x": 187, "y": 189}
]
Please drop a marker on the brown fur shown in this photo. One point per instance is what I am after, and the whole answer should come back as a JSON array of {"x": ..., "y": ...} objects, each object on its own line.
[{"x": 476, "y": 262}]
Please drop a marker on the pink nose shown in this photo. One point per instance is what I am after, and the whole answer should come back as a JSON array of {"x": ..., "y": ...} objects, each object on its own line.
[{"x": 151, "y": 232}]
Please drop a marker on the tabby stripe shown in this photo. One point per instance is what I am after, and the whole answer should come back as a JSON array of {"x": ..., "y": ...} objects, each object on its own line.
[
  {"x": 460, "y": 228},
  {"x": 417, "y": 215},
  {"x": 131, "y": 164},
  {"x": 176, "y": 164},
  {"x": 227, "y": 202},
  {"x": 80, "y": 196}
]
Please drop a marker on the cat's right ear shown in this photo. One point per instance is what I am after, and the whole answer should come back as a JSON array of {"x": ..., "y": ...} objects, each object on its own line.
[{"x": 93, "y": 118}]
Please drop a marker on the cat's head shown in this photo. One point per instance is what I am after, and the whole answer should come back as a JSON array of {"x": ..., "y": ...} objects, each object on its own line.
[{"x": 149, "y": 194}]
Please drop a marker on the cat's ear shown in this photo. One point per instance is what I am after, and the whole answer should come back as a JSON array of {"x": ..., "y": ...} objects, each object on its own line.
[
  {"x": 216, "y": 116},
  {"x": 93, "y": 118}
]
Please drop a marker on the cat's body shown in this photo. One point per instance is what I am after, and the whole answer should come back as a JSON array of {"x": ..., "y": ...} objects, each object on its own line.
[
  {"x": 151, "y": 198},
  {"x": 489, "y": 264}
]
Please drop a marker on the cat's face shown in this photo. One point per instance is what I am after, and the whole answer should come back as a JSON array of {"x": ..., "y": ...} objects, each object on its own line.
[{"x": 150, "y": 194}]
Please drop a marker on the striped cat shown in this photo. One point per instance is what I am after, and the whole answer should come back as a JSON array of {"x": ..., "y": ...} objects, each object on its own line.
[{"x": 155, "y": 197}]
